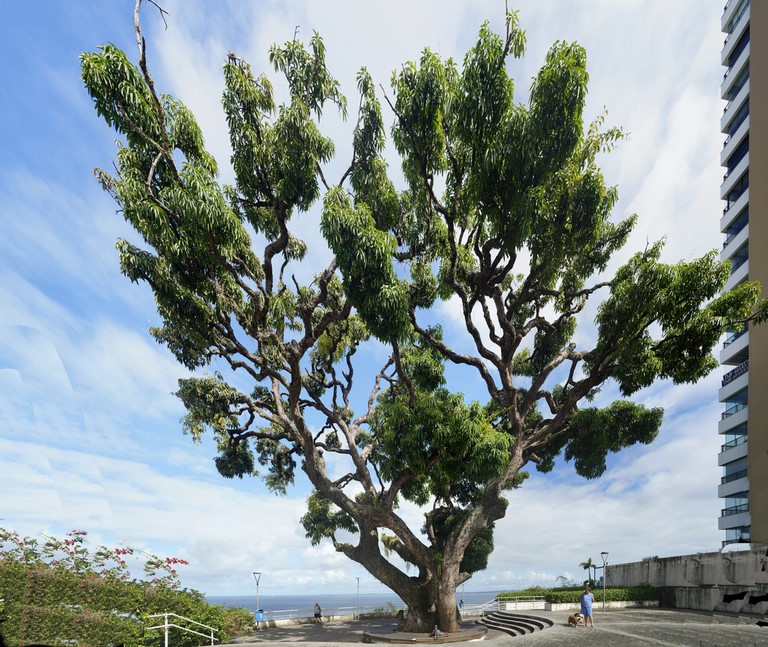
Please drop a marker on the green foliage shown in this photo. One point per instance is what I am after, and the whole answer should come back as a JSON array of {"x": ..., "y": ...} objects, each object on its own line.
[
  {"x": 65, "y": 591},
  {"x": 639, "y": 593},
  {"x": 599, "y": 431},
  {"x": 321, "y": 521},
  {"x": 237, "y": 620},
  {"x": 449, "y": 448}
]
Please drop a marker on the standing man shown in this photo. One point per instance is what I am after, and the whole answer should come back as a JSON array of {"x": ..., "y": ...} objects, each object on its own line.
[
  {"x": 587, "y": 598},
  {"x": 318, "y": 613}
]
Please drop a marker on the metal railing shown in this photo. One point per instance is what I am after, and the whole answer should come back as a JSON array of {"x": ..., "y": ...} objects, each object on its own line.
[
  {"x": 734, "y": 408},
  {"x": 522, "y": 602},
  {"x": 735, "y": 335},
  {"x": 166, "y": 626},
  {"x": 740, "y": 370},
  {"x": 733, "y": 443},
  {"x": 733, "y": 477},
  {"x": 299, "y": 613},
  {"x": 736, "y": 509}
]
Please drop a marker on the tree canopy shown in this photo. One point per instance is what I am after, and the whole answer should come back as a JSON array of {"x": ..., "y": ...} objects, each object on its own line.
[{"x": 504, "y": 212}]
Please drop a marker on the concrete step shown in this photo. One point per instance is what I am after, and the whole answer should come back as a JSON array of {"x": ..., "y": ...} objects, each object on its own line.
[{"x": 515, "y": 624}]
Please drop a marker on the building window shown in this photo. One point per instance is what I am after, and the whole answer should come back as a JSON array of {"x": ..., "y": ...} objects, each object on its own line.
[
  {"x": 738, "y": 49},
  {"x": 738, "y": 189},
  {"x": 736, "y": 17},
  {"x": 739, "y": 258},
  {"x": 741, "y": 535},
  {"x": 736, "y": 402},
  {"x": 737, "y": 155},
  {"x": 737, "y": 120},
  {"x": 733, "y": 335},
  {"x": 741, "y": 221},
  {"x": 735, "y": 437},
  {"x": 735, "y": 470}
]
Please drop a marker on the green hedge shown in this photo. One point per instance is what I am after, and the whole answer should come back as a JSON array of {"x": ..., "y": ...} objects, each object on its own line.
[
  {"x": 640, "y": 593},
  {"x": 49, "y": 605}
]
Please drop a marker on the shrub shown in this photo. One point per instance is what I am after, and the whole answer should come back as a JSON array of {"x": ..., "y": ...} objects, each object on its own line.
[
  {"x": 237, "y": 620},
  {"x": 62, "y": 592},
  {"x": 640, "y": 593}
]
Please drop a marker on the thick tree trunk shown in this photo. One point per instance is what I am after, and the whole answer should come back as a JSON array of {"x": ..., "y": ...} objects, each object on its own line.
[
  {"x": 433, "y": 605},
  {"x": 448, "y": 618}
]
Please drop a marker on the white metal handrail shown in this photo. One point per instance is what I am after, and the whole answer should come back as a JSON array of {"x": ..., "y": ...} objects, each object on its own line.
[{"x": 166, "y": 626}]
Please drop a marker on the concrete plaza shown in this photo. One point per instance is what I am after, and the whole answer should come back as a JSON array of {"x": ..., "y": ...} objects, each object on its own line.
[{"x": 614, "y": 628}]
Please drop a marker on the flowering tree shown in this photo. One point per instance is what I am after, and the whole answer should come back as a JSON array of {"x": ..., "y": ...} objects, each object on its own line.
[{"x": 68, "y": 589}]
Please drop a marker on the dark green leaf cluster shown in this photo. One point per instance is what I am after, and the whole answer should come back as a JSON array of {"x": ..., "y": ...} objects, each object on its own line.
[
  {"x": 323, "y": 521},
  {"x": 645, "y": 292},
  {"x": 447, "y": 448},
  {"x": 365, "y": 252},
  {"x": 595, "y": 432}
]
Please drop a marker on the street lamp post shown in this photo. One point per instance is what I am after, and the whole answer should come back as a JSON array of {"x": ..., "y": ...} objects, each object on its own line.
[
  {"x": 257, "y": 577},
  {"x": 604, "y": 555},
  {"x": 358, "y": 598}
]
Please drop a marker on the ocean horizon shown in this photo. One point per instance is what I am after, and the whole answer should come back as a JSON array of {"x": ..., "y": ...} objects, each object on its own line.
[{"x": 331, "y": 603}]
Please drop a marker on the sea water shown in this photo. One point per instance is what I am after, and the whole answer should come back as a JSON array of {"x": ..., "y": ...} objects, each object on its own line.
[{"x": 331, "y": 603}]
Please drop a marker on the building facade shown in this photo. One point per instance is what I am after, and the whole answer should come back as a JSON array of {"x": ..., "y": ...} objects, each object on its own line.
[{"x": 744, "y": 391}]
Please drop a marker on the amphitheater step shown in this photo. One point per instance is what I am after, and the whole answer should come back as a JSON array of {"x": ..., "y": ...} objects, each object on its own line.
[{"x": 515, "y": 624}]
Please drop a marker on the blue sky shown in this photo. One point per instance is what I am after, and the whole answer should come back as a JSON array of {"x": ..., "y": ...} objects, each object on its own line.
[{"x": 89, "y": 431}]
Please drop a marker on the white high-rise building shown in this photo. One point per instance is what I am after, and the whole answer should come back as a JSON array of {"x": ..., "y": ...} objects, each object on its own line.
[{"x": 744, "y": 391}]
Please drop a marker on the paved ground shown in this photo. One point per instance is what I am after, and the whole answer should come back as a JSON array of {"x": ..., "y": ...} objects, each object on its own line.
[{"x": 614, "y": 628}]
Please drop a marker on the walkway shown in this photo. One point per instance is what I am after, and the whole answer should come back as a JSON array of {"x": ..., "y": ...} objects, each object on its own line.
[{"x": 614, "y": 628}]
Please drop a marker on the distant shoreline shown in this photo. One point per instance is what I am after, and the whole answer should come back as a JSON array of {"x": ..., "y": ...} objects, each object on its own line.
[{"x": 306, "y": 601}]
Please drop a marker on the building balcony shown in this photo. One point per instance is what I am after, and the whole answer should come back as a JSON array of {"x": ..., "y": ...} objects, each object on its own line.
[
  {"x": 739, "y": 440},
  {"x": 732, "y": 420},
  {"x": 737, "y": 520},
  {"x": 728, "y": 12},
  {"x": 730, "y": 213},
  {"x": 733, "y": 37},
  {"x": 732, "y": 73},
  {"x": 732, "y": 376},
  {"x": 735, "y": 509},
  {"x": 732, "y": 453},
  {"x": 730, "y": 485},
  {"x": 732, "y": 141},
  {"x": 737, "y": 276},
  {"x": 733, "y": 175},
  {"x": 735, "y": 348},
  {"x": 735, "y": 243},
  {"x": 727, "y": 393},
  {"x": 733, "y": 106}
]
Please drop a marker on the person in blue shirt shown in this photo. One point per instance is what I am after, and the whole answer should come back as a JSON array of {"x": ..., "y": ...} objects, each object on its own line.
[{"x": 587, "y": 598}]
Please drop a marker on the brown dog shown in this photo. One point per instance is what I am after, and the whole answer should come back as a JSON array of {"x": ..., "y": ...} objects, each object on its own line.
[{"x": 575, "y": 620}]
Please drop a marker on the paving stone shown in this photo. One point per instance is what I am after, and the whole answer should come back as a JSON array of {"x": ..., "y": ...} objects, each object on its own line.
[{"x": 613, "y": 628}]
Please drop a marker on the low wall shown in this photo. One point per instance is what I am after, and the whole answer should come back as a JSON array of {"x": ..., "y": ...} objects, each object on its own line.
[
  {"x": 742, "y": 568},
  {"x": 291, "y": 622},
  {"x": 730, "y": 599},
  {"x": 521, "y": 605},
  {"x": 734, "y": 582}
]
